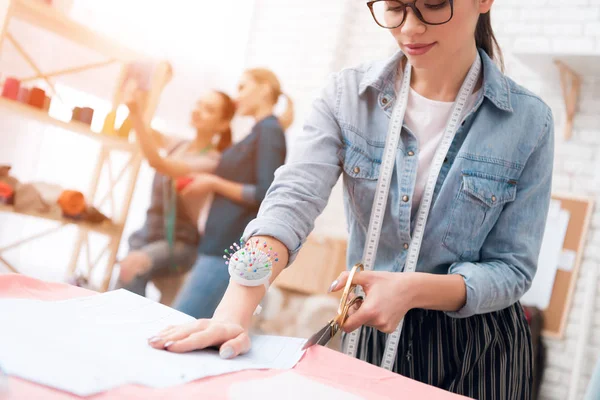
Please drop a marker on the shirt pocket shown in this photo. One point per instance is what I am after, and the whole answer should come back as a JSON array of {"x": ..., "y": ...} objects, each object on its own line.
[
  {"x": 476, "y": 208},
  {"x": 361, "y": 171}
]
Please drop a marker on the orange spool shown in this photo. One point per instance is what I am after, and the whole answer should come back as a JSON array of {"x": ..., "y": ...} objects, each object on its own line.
[
  {"x": 72, "y": 203},
  {"x": 37, "y": 98}
]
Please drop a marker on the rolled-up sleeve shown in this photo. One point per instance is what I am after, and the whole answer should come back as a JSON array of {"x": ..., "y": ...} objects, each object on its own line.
[
  {"x": 510, "y": 252},
  {"x": 303, "y": 185}
]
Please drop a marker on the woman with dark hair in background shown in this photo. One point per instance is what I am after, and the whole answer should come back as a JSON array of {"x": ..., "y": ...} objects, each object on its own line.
[{"x": 169, "y": 238}]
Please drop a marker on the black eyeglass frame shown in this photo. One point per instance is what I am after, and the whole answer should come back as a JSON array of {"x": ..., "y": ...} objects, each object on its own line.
[{"x": 413, "y": 6}]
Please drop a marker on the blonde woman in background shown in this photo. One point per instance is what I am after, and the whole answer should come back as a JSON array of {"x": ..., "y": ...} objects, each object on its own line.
[{"x": 239, "y": 184}]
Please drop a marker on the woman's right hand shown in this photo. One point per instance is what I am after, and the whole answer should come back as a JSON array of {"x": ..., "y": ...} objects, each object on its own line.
[
  {"x": 228, "y": 329},
  {"x": 230, "y": 337}
]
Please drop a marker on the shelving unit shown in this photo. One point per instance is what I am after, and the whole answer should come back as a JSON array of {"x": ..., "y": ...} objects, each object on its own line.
[
  {"x": 81, "y": 128},
  {"x": 568, "y": 70},
  {"x": 105, "y": 228},
  {"x": 51, "y": 20}
]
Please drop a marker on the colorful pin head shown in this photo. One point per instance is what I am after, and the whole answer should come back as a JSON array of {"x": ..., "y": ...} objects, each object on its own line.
[{"x": 249, "y": 262}]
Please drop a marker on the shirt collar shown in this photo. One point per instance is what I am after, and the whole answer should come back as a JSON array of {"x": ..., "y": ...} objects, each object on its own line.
[{"x": 382, "y": 75}]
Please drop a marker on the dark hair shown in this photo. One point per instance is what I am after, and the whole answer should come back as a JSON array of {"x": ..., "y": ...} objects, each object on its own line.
[
  {"x": 486, "y": 40},
  {"x": 228, "y": 111}
]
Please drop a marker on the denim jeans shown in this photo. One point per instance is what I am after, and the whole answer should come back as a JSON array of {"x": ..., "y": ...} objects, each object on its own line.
[
  {"x": 183, "y": 256},
  {"x": 204, "y": 288}
]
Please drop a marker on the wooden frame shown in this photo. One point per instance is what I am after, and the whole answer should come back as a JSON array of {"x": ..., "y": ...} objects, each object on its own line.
[
  {"x": 556, "y": 314},
  {"x": 570, "y": 83}
]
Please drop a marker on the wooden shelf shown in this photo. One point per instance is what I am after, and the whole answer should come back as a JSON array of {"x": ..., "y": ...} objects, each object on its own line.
[
  {"x": 544, "y": 64},
  {"x": 106, "y": 228},
  {"x": 44, "y": 16},
  {"x": 567, "y": 70},
  {"x": 42, "y": 116}
]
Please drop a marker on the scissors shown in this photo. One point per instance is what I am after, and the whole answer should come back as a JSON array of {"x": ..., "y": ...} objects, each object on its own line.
[{"x": 326, "y": 333}]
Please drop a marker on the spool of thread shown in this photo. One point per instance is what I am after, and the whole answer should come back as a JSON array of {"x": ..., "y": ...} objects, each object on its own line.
[
  {"x": 72, "y": 203},
  {"x": 11, "y": 88},
  {"x": 86, "y": 114},
  {"x": 37, "y": 98},
  {"x": 76, "y": 112},
  {"x": 125, "y": 128},
  {"x": 23, "y": 96},
  {"x": 6, "y": 193},
  {"x": 109, "y": 123}
]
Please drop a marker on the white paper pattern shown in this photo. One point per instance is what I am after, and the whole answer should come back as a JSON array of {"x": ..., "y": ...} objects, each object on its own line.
[{"x": 92, "y": 344}]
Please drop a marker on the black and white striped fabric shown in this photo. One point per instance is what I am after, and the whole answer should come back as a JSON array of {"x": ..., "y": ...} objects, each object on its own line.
[{"x": 486, "y": 357}]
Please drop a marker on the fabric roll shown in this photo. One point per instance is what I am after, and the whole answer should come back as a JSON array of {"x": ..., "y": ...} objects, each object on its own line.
[{"x": 27, "y": 198}]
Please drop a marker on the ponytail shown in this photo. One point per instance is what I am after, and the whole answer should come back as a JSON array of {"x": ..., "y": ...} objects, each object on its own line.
[
  {"x": 486, "y": 40},
  {"x": 267, "y": 77},
  {"x": 225, "y": 140},
  {"x": 287, "y": 117},
  {"x": 227, "y": 113}
]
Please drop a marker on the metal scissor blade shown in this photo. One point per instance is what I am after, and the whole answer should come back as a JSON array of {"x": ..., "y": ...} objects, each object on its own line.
[{"x": 321, "y": 337}]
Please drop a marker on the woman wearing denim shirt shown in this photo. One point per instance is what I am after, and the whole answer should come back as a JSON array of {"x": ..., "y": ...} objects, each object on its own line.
[{"x": 464, "y": 330}]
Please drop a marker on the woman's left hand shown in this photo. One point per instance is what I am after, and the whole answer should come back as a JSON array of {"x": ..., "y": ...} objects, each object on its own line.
[
  {"x": 202, "y": 183},
  {"x": 389, "y": 296}
]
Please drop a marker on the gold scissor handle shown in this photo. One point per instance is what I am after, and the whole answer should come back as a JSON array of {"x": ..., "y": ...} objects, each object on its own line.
[{"x": 345, "y": 305}]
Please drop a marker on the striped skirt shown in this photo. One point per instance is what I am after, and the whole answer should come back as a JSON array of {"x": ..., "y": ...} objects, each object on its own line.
[{"x": 487, "y": 357}]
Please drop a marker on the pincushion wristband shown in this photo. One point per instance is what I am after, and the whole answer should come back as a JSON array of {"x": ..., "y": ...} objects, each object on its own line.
[{"x": 250, "y": 264}]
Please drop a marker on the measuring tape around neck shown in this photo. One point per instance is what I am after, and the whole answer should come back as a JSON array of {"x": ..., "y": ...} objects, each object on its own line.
[{"x": 383, "y": 188}]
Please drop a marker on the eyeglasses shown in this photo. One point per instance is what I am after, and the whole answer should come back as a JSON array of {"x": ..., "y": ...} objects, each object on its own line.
[{"x": 390, "y": 14}]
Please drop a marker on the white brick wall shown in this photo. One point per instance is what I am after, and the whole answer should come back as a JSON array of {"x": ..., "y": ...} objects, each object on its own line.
[
  {"x": 539, "y": 26},
  {"x": 553, "y": 26}
]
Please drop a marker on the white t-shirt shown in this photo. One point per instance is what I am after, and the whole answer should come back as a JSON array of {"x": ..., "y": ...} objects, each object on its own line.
[
  {"x": 427, "y": 120},
  {"x": 196, "y": 204}
]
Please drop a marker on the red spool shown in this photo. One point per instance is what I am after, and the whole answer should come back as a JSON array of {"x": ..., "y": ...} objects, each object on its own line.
[
  {"x": 11, "y": 88},
  {"x": 23, "y": 96},
  {"x": 86, "y": 114}
]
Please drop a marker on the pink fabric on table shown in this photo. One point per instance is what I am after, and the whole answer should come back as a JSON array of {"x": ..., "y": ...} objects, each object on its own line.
[{"x": 319, "y": 363}]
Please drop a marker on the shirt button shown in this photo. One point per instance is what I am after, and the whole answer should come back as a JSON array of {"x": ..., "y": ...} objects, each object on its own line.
[
  {"x": 405, "y": 246},
  {"x": 384, "y": 101},
  {"x": 405, "y": 198},
  {"x": 356, "y": 170},
  {"x": 493, "y": 199},
  {"x": 411, "y": 153}
]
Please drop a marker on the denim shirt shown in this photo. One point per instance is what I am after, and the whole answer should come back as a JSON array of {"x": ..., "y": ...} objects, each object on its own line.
[
  {"x": 491, "y": 198},
  {"x": 251, "y": 162}
]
